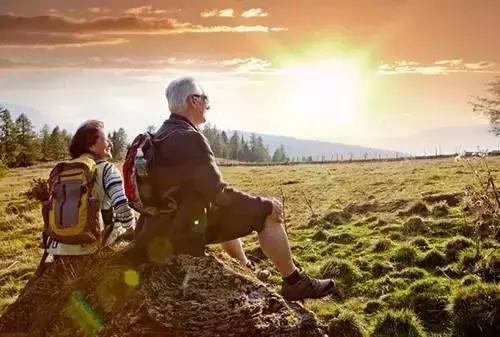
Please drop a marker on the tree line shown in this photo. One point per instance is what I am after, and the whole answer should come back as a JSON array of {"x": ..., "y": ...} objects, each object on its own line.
[
  {"x": 21, "y": 145},
  {"x": 236, "y": 147}
]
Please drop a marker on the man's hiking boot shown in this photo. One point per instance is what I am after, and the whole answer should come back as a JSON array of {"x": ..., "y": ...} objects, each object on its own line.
[{"x": 308, "y": 287}]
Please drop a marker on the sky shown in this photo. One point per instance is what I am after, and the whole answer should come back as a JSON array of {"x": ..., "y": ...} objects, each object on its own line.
[{"x": 354, "y": 71}]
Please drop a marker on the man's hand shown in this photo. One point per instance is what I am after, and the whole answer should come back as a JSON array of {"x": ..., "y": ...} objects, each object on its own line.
[{"x": 277, "y": 214}]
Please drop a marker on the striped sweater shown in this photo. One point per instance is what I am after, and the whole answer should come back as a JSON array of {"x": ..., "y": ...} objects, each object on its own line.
[{"x": 111, "y": 194}]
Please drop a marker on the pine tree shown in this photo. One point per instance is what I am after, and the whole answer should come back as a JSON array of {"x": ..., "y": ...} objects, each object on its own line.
[
  {"x": 225, "y": 144},
  {"x": 234, "y": 146},
  {"x": 66, "y": 137},
  {"x": 119, "y": 141},
  {"x": 29, "y": 149},
  {"x": 254, "y": 149},
  {"x": 58, "y": 149},
  {"x": 45, "y": 143},
  {"x": 8, "y": 139},
  {"x": 261, "y": 152},
  {"x": 280, "y": 155}
]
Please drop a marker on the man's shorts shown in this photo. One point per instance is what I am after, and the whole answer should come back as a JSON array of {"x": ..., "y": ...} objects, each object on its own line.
[{"x": 223, "y": 225}]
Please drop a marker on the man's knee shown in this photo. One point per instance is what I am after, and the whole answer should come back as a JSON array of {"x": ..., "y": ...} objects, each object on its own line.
[{"x": 273, "y": 225}]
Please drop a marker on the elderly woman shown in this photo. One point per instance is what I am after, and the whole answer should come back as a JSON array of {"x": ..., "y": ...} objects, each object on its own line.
[{"x": 116, "y": 215}]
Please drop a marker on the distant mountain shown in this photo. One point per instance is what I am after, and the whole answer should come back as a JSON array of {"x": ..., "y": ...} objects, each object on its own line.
[
  {"x": 295, "y": 147},
  {"x": 446, "y": 140}
]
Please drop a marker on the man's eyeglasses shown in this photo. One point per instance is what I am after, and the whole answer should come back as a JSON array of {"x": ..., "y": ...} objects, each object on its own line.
[{"x": 205, "y": 98}]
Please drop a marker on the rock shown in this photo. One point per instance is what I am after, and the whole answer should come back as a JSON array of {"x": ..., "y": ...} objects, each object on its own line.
[{"x": 184, "y": 296}]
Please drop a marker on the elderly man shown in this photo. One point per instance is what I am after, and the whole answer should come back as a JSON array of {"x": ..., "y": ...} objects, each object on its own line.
[{"x": 209, "y": 210}]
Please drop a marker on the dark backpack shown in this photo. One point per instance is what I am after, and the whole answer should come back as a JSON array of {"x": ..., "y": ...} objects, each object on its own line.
[{"x": 137, "y": 181}]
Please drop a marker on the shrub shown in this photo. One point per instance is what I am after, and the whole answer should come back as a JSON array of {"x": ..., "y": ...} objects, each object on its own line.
[
  {"x": 398, "y": 324},
  {"x": 455, "y": 245},
  {"x": 433, "y": 259},
  {"x": 476, "y": 311},
  {"x": 342, "y": 270},
  {"x": 414, "y": 225},
  {"x": 405, "y": 255},
  {"x": 38, "y": 190},
  {"x": 347, "y": 324},
  {"x": 382, "y": 245}
]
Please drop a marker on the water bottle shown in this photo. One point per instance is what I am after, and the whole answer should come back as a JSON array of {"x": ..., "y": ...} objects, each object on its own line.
[{"x": 140, "y": 164}]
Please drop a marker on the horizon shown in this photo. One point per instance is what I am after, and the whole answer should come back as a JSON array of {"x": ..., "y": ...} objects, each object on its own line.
[{"x": 342, "y": 73}]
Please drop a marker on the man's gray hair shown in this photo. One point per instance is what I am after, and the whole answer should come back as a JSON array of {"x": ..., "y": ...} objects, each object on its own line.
[{"x": 179, "y": 90}]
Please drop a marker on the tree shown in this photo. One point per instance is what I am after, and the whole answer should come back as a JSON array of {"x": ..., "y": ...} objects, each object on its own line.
[
  {"x": 45, "y": 143},
  {"x": 261, "y": 153},
  {"x": 8, "y": 139},
  {"x": 29, "y": 148},
  {"x": 151, "y": 129},
  {"x": 234, "y": 146},
  {"x": 280, "y": 155},
  {"x": 490, "y": 105},
  {"x": 225, "y": 144},
  {"x": 58, "y": 149},
  {"x": 119, "y": 141}
]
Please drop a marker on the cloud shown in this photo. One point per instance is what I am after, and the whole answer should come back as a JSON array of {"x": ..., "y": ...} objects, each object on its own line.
[
  {"x": 45, "y": 26},
  {"x": 441, "y": 67},
  {"x": 144, "y": 10},
  {"x": 58, "y": 24},
  {"x": 237, "y": 65},
  {"x": 54, "y": 40},
  {"x": 223, "y": 13},
  {"x": 190, "y": 28},
  {"x": 98, "y": 10},
  {"x": 55, "y": 31},
  {"x": 254, "y": 13}
]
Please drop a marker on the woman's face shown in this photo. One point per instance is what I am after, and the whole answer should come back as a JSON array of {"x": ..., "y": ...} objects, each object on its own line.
[{"x": 102, "y": 146}]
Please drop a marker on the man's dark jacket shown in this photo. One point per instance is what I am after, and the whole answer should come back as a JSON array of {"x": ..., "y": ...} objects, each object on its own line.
[{"x": 181, "y": 156}]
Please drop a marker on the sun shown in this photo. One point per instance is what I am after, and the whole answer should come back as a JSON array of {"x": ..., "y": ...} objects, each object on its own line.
[{"x": 329, "y": 90}]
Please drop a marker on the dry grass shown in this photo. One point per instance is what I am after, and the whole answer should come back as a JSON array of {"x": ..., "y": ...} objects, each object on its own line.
[{"x": 362, "y": 218}]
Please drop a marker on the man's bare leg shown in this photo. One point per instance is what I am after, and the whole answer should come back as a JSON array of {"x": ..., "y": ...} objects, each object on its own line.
[
  {"x": 274, "y": 243},
  {"x": 235, "y": 249}
]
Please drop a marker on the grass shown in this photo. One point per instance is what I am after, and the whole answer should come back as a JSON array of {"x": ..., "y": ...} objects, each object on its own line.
[{"x": 392, "y": 235}]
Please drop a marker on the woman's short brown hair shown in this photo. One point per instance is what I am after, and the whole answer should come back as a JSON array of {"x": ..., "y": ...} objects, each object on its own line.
[{"x": 85, "y": 137}]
